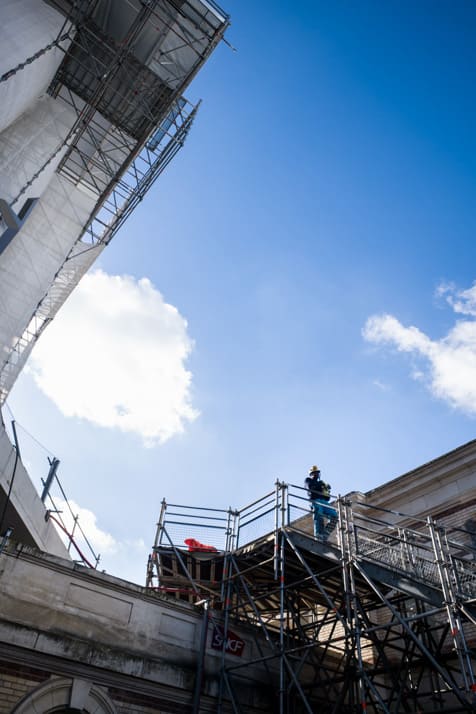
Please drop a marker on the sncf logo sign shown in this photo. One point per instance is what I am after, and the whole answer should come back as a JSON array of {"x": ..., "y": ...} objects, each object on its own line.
[{"x": 233, "y": 644}]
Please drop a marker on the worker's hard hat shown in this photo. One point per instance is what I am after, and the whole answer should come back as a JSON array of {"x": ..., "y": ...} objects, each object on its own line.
[{"x": 314, "y": 470}]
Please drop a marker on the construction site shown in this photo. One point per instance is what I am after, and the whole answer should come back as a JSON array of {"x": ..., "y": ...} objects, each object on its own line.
[
  {"x": 379, "y": 617},
  {"x": 247, "y": 611},
  {"x": 243, "y": 610}
]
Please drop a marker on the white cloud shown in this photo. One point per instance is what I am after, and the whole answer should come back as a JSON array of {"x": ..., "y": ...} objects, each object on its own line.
[
  {"x": 462, "y": 301},
  {"x": 115, "y": 355},
  {"x": 100, "y": 541},
  {"x": 450, "y": 370},
  {"x": 126, "y": 559},
  {"x": 381, "y": 385}
]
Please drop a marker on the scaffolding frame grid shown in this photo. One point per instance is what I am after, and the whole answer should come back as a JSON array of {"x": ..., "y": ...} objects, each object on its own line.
[
  {"x": 114, "y": 159},
  {"x": 379, "y": 618}
]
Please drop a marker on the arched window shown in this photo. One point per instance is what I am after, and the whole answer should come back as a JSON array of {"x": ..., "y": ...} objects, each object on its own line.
[{"x": 66, "y": 696}]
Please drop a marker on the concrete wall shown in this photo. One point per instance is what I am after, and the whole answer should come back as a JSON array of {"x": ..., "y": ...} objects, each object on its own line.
[
  {"x": 25, "y": 512},
  {"x": 140, "y": 649}
]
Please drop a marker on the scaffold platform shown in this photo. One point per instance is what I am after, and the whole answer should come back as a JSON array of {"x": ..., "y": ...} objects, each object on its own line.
[{"x": 380, "y": 617}]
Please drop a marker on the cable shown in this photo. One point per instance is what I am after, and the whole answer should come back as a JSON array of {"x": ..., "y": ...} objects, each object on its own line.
[
  {"x": 29, "y": 60},
  {"x": 74, "y": 517},
  {"x": 25, "y": 430},
  {"x": 72, "y": 541}
]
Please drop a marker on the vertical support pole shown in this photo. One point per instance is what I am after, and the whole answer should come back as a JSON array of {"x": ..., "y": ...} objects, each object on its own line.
[
  {"x": 227, "y": 587},
  {"x": 445, "y": 565},
  {"x": 284, "y": 504},
  {"x": 230, "y": 545},
  {"x": 340, "y": 524},
  {"x": 354, "y": 644},
  {"x": 229, "y": 535},
  {"x": 229, "y": 540},
  {"x": 277, "y": 494},
  {"x": 15, "y": 438},
  {"x": 235, "y": 533},
  {"x": 153, "y": 558},
  {"x": 160, "y": 524},
  {"x": 226, "y": 596},
  {"x": 282, "y": 614},
  {"x": 345, "y": 564},
  {"x": 408, "y": 550},
  {"x": 236, "y": 528},
  {"x": 54, "y": 463},
  {"x": 279, "y": 565},
  {"x": 358, "y": 645},
  {"x": 201, "y": 660}
]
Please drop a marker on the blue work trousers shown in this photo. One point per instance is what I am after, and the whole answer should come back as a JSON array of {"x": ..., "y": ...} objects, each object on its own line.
[{"x": 325, "y": 518}]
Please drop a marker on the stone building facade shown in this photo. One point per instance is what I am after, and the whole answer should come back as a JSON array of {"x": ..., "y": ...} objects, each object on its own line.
[{"x": 76, "y": 640}]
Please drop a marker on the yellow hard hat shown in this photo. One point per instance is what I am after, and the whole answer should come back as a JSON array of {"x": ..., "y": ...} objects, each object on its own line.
[{"x": 313, "y": 469}]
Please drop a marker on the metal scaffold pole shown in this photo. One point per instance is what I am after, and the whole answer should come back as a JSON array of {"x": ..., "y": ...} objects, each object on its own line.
[{"x": 448, "y": 577}]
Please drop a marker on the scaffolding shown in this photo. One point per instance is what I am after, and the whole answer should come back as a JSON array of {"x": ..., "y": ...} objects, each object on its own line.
[
  {"x": 120, "y": 83},
  {"x": 379, "y": 617}
]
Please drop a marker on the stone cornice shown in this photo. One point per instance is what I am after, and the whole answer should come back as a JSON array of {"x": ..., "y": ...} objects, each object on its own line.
[
  {"x": 93, "y": 577},
  {"x": 448, "y": 480},
  {"x": 104, "y": 677}
]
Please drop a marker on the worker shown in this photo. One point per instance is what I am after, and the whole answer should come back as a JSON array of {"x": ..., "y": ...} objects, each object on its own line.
[{"x": 319, "y": 495}]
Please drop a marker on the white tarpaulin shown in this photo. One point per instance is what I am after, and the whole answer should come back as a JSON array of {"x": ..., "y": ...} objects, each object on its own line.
[
  {"x": 26, "y": 27},
  {"x": 34, "y": 144}
]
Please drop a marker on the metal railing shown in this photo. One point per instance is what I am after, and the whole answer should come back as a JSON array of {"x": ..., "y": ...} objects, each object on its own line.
[
  {"x": 421, "y": 549},
  {"x": 210, "y": 527}
]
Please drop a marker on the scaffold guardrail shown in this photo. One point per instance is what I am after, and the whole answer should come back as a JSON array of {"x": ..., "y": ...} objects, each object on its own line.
[{"x": 374, "y": 534}]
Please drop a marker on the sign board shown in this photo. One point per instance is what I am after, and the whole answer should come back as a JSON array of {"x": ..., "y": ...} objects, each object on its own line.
[{"x": 234, "y": 645}]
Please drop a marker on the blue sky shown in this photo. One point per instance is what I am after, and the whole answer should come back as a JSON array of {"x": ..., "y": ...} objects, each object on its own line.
[{"x": 329, "y": 179}]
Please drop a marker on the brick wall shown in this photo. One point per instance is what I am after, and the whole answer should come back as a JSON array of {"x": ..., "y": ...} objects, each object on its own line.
[
  {"x": 15, "y": 682},
  {"x": 128, "y": 702}
]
